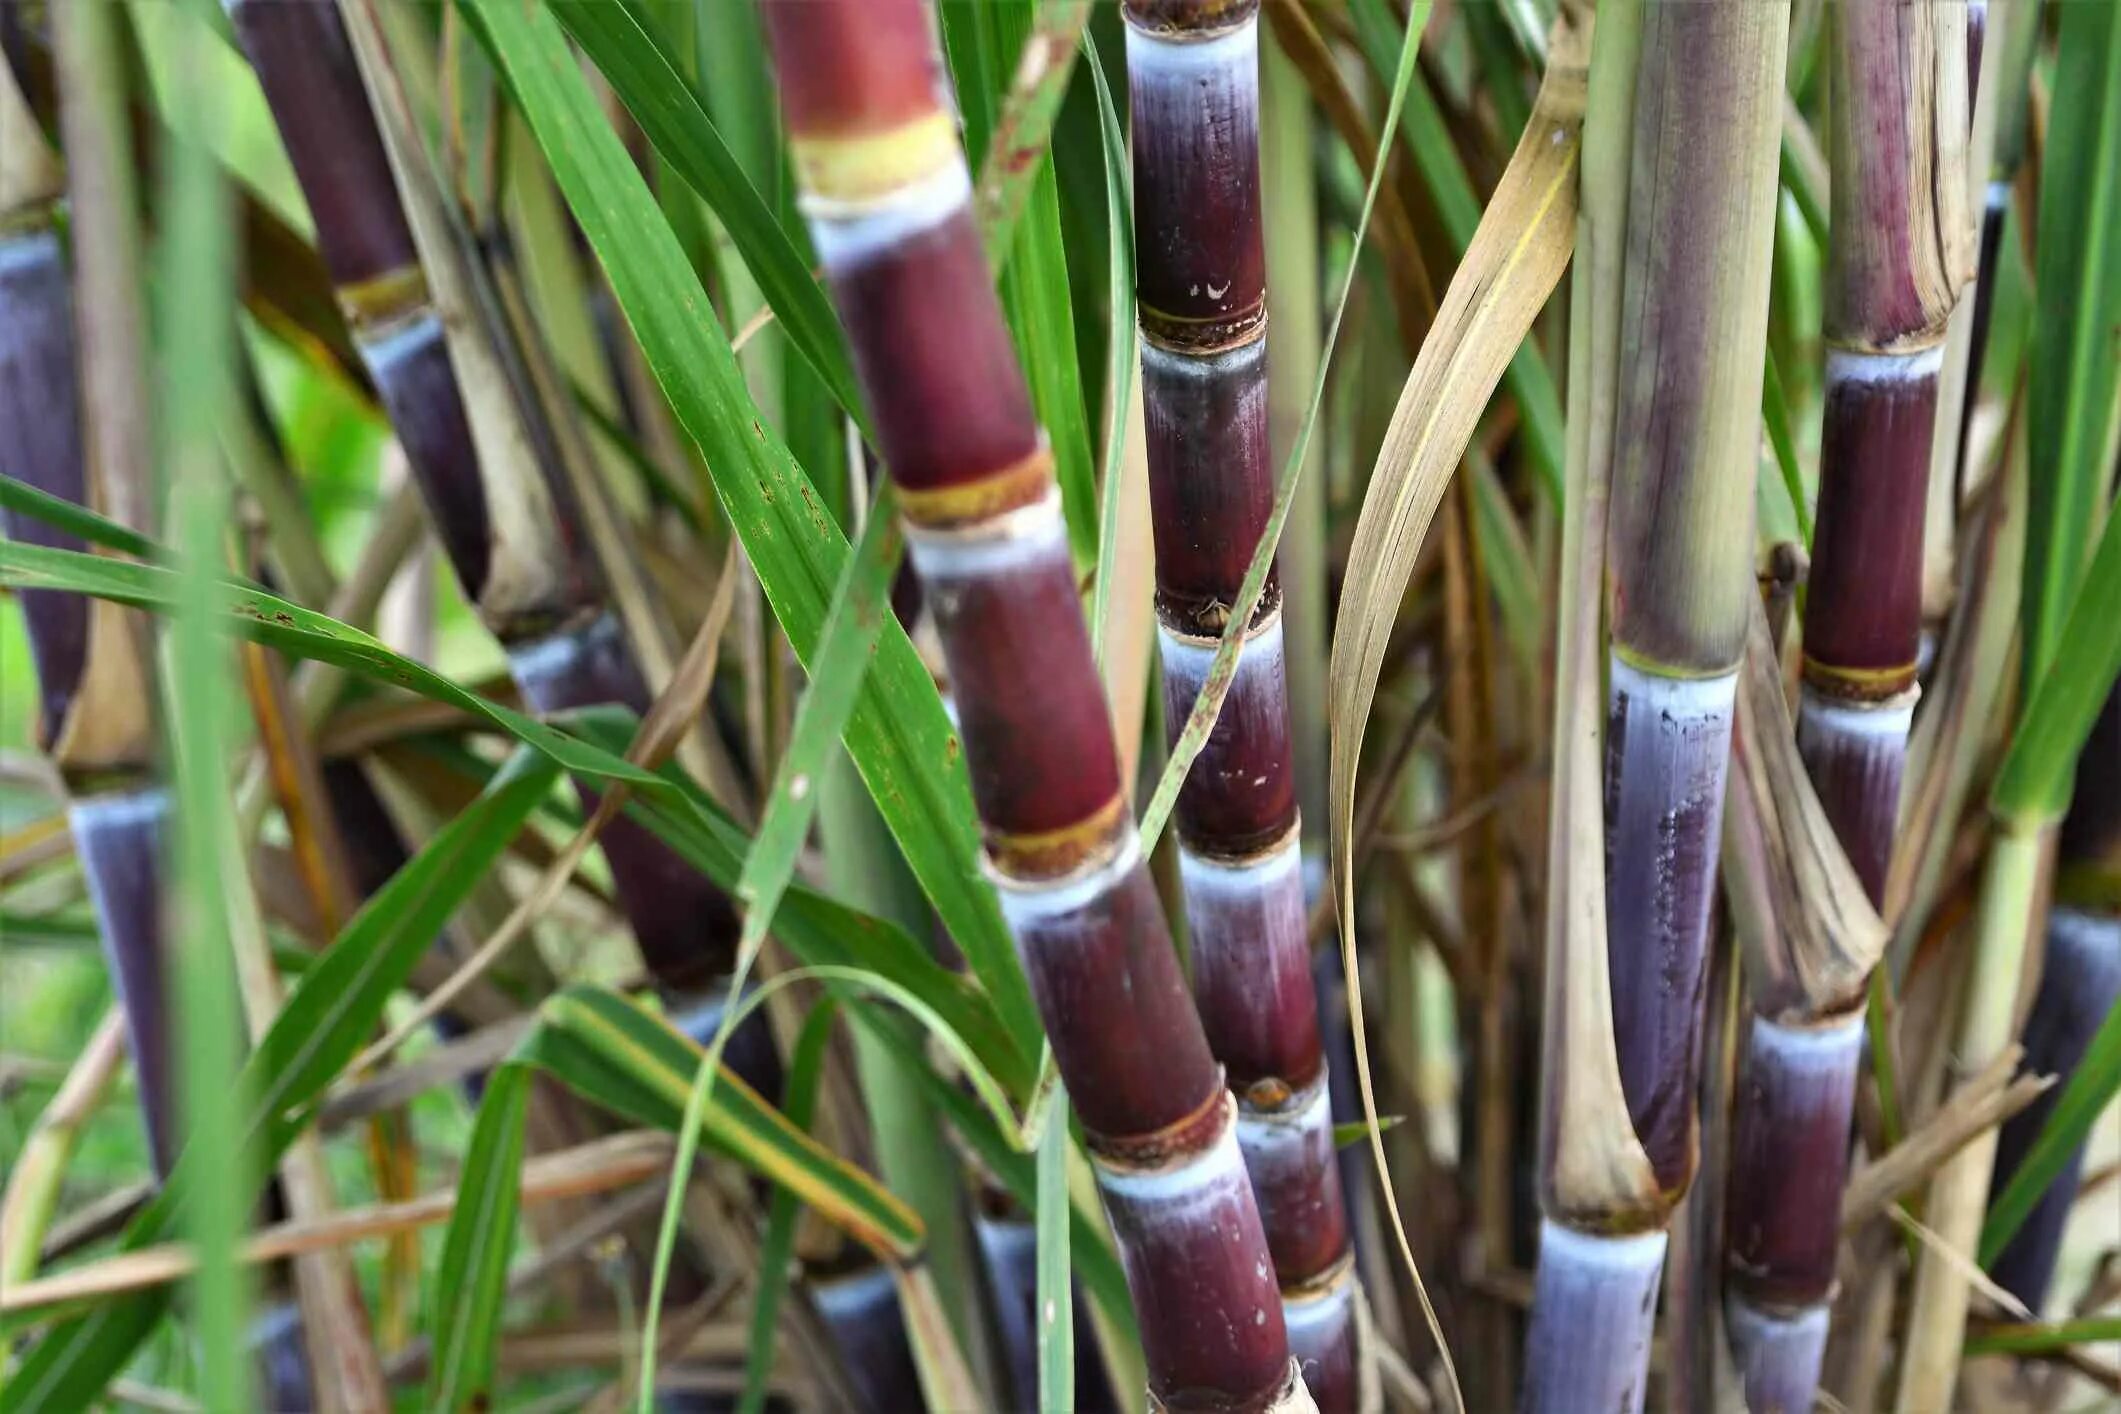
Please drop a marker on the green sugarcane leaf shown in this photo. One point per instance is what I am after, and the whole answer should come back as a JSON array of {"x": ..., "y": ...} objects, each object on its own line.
[
  {"x": 2075, "y": 371},
  {"x": 322, "y": 1027},
  {"x": 2044, "y": 1339},
  {"x": 806, "y": 1066},
  {"x": 610, "y": 1049},
  {"x": 1119, "y": 348},
  {"x": 327, "y": 1019},
  {"x": 252, "y": 613},
  {"x": 818, "y": 931},
  {"x": 2090, "y": 1090},
  {"x": 996, "y": 1150},
  {"x": 2033, "y": 783},
  {"x": 899, "y": 736},
  {"x": 1775, "y": 417},
  {"x": 1035, "y": 294},
  {"x": 1512, "y": 576},
  {"x": 62, "y": 514},
  {"x": 1428, "y": 141},
  {"x": 624, "y": 45},
  {"x": 1016, "y": 154},
  {"x": 985, "y": 41},
  {"x": 1056, "y": 1305},
  {"x": 859, "y": 606},
  {"x": 472, "y": 1283}
]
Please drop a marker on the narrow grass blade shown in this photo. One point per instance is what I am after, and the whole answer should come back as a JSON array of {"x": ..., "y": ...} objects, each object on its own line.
[
  {"x": 302, "y": 633},
  {"x": 817, "y": 930},
  {"x": 62, "y": 514},
  {"x": 2044, "y": 1339},
  {"x": 472, "y": 1282},
  {"x": 195, "y": 289},
  {"x": 612, "y": 1050},
  {"x": 2034, "y": 780},
  {"x": 859, "y": 607},
  {"x": 1056, "y": 1301},
  {"x": 1775, "y": 417},
  {"x": 1016, "y": 153},
  {"x": 2076, "y": 364},
  {"x": 1119, "y": 349},
  {"x": 777, "y": 1249}
]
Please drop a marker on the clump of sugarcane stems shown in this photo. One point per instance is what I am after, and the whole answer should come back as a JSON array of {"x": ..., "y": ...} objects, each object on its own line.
[
  {"x": 886, "y": 193},
  {"x": 1897, "y": 258},
  {"x": 1701, "y": 192},
  {"x": 1809, "y": 937},
  {"x": 1900, "y": 250},
  {"x": 91, "y": 658},
  {"x": 504, "y": 523},
  {"x": 1200, "y": 266}
]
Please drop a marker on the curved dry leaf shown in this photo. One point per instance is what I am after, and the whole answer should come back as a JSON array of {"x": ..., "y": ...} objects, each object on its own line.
[
  {"x": 1810, "y": 934},
  {"x": 1517, "y": 256}
]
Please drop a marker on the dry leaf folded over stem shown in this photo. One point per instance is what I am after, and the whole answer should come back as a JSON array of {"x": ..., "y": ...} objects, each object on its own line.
[{"x": 1516, "y": 258}]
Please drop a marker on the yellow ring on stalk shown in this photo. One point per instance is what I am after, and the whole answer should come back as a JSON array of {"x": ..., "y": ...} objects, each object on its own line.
[
  {"x": 1858, "y": 684},
  {"x": 1021, "y": 483},
  {"x": 384, "y": 297},
  {"x": 1049, "y": 854},
  {"x": 867, "y": 166},
  {"x": 1202, "y": 335}
]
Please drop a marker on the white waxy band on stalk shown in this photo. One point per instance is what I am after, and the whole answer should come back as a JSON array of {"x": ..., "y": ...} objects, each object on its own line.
[
  {"x": 1208, "y": 1176},
  {"x": 849, "y": 233},
  {"x": 1200, "y": 367},
  {"x": 1810, "y": 1050},
  {"x": 1178, "y": 60},
  {"x": 1274, "y": 1139},
  {"x": 1751, "y": 1326},
  {"x": 1187, "y": 659},
  {"x": 851, "y": 1293},
  {"x": 1856, "y": 366},
  {"x": 1004, "y": 542},
  {"x": 1684, "y": 698},
  {"x": 119, "y": 811},
  {"x": 542, "y": 658},
  {"x": 1310, "y": 1310},
  {"x": 1889, "y": 720},
  {"x": 1584, "y": 1251},
  {"x": 1028, "y": 903},
  {"x": 382, "y": 347},
  {"x": 1245, "y": 879}
]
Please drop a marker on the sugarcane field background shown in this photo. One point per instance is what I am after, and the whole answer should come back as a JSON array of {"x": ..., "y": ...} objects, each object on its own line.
[{"x": 1177, "y": 705}]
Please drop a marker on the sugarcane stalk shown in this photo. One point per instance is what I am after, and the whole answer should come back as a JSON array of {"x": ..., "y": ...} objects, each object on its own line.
[
  {"x": 90, "y": 657},
  {"x": 1200, "y": 265},
  {"x": 887, "y": 197},
  {"x": 1810, "y": 938},
  {"x": 1700, "y": 177},
  {"x": 1899, "y": 250},
  {"x": 505, "y": 523},
  {"x": 2080, "y": 982}
]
